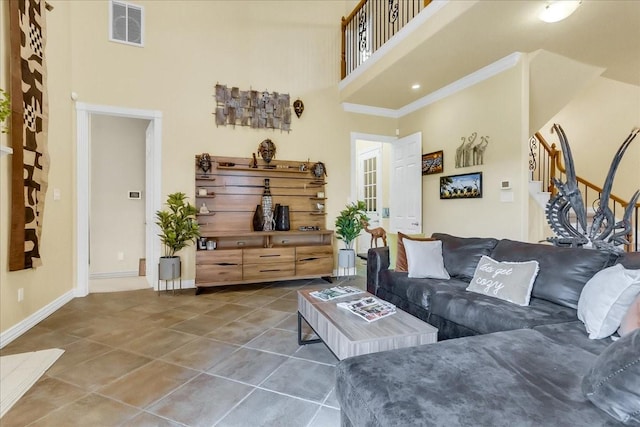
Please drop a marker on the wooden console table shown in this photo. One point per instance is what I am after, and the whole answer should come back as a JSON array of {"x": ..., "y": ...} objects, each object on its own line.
[{"x": 246, "y": 256}]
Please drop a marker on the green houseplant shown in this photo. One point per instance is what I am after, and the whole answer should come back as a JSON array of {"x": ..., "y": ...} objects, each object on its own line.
[
  {"x": 178, "y": 228},
  {"x": 5, "y": 110},
  {"x": 349, "y": 225}
]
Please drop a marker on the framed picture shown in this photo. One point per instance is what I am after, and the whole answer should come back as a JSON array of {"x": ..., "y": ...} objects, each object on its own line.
[
  {"x": 465, "y": 186},
  {"x": 432, "y": 163}
]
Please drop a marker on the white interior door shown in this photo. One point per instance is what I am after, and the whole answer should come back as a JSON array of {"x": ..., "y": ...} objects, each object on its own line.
[
  {"x": 370, "y": 191},
  {"x": 406, "y": 185}
]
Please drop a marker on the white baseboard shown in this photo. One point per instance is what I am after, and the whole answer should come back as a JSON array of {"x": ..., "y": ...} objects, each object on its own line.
[
  {"x": 20, "y": 328},
  {"x": 113, "y": 275}
]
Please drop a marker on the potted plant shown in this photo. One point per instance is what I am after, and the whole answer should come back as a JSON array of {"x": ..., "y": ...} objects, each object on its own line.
[
  {"x": 178, "y": 227},
  {"x": 349, "y": 225},
  {"x": 5, "y": 110}
]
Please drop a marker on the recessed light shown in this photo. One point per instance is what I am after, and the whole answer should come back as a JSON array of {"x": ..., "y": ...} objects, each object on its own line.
[
  {"x": 415, "y": 86},
  {"x": 555, "y": 11}
]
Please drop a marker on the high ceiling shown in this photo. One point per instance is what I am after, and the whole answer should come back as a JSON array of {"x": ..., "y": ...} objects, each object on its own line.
[{"x": 602, "y": 33}]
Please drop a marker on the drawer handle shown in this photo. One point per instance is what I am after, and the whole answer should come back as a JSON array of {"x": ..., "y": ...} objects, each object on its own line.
[
  {"x": 268, "y": 271},
  {"x": 309, "y": 259},
  {"x": 270, "y": 256},
  {"x": 240, "y": 243},
  {"x": 225, "y": 263}
]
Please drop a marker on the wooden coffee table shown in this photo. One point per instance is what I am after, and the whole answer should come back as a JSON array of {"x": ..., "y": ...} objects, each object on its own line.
[{"x": 348, "y": 335}]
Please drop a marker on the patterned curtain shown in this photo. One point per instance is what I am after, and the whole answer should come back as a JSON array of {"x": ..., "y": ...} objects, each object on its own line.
[{"x": 29, "y": 120}]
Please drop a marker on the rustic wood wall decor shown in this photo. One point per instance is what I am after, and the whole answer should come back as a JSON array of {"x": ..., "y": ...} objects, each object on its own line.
[
  {"x": 259, "y": 110},
  {"x": 29, "y": 120}
]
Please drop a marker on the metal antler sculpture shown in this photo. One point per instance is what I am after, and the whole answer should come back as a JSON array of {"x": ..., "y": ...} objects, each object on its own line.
[{"x": 604, "y": 234}]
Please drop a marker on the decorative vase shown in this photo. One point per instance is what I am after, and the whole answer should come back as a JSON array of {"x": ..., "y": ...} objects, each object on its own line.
[
  {"x": 169, "y": 268},
  {"x": 282, "y": 218},
  {"x": 267, "y": 207},
  {"x": 258, "y": 219}
]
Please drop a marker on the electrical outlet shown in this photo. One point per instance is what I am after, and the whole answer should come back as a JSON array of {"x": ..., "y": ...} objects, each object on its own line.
[
  {"x": 120, "y": 256},
  {"x": 20, "y": 294}
]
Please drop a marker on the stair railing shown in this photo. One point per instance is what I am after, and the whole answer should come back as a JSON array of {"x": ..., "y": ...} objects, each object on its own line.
[
  {"x": 371, "y": 24},
  {"x": 545, "y": 163}
]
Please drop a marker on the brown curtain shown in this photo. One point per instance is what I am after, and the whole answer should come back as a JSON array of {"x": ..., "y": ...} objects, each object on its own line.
[{"x": 29, "y": 120}]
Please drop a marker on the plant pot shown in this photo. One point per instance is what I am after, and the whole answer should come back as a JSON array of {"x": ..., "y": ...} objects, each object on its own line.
[
  {"x": 346, "y": 258},
  {"x": 169, "y": 268}
]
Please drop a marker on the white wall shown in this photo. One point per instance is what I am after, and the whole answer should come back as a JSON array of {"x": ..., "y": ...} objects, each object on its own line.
[{"x": 117, "y": 167}]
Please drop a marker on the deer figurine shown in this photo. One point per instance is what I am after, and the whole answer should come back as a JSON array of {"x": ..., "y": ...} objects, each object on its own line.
[{"x": 376, "y": 233}]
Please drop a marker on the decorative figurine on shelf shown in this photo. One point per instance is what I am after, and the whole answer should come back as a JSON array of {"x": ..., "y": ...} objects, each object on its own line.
[
  {"x": 267, "y": 150},
  {"x": 319, "y": 170},
  {"x": 204, "y": 209},
  {"x": 267, "y": 207},
  {"x": 298, "y": 107},
  {"x": 254, "y": 162},
  {"x": 204, "y": 162}
]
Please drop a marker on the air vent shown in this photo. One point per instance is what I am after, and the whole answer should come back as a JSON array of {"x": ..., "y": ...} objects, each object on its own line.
[{"x": 127, "y": 23}]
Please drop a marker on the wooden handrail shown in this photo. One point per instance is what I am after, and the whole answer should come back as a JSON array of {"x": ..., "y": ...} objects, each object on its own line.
[{"x": 557, "y": 162}]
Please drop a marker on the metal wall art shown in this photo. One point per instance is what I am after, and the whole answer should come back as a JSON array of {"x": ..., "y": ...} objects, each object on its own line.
[
  {"x": 465, "y": 186},
  {"x": 606, "y": 233},
  {"x": 432, "y": 162},
  {"x": 468, "y": 154},
  {"x": 298, "y": 107},
  {"x": 252, "y": 108}
]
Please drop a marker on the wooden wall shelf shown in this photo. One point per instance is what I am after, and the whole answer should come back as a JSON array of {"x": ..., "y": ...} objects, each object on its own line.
[{"x": 247, "y": 256}]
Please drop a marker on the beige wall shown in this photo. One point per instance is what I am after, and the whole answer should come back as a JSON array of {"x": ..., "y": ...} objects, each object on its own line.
[
  {"x": 596, "y": 122},
  {"x": 55, "y": 278},
  {"x": 493, "y": 107},
  {"x": 117, "y": 223}
]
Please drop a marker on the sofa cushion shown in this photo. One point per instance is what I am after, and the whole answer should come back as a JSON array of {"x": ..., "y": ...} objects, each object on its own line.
[
  {"x": 573, "y": 333},
  {"x": 563, "y": 271},
  {"x": 613, "y": 383},
  {"x": 508, "y": 281},
  {"x": 631, "y": 320},
  {"x": 461, "y": 254},
  {"x": 401, "y": 263},
  {"x": 417, "y": 291},
  {"x": 503, "y": 379},
  {"x": 630, "y": 260},
  {"x": 425, "y": 260},
  {"x": 606, "y": 298},
  {"x": 485, "y": 314}
]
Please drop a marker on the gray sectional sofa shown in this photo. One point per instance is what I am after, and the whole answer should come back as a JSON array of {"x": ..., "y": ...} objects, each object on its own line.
[{"x": 498, "y": 363}]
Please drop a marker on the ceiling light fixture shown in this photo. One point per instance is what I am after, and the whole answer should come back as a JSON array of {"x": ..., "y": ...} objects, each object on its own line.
[
  {"x": 415, "y": 86},
  {"x": 555, "y": 11}
]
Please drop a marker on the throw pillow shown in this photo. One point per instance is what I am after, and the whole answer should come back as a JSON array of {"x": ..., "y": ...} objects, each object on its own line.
[
  {"x": 401, "y": 253},
  {"x": 631, "y": 320},
  {"x": 508, "y": 281},
  {"x": 605, "y": 299},
  {"x": 424, "y": 259},
  {"x": 613, "y": 383},
  {"x": 392, "y": 240}
]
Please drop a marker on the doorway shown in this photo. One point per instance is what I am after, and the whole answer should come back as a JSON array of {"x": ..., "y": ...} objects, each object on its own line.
[{"x": 151, "y": 190}]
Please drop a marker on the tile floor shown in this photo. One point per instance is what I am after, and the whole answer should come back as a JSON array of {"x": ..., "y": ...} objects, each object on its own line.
[{"x": 225, "y": 358}]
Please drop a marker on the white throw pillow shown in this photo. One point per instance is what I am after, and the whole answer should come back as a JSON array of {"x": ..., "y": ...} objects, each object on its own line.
[
  {"x": 508, "y": 281},
  {"x": 425, "y": 260},
  {"x": 606, "y": 298}
]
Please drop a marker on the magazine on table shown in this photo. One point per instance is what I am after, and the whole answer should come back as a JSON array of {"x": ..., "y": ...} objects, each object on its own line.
[
  {"x": 335, "y": 292},
  {"x": 369, "y": 308}
]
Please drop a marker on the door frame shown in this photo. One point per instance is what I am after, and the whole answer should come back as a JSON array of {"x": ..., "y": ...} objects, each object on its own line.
[
  {"x": 83, "y": 162},
  {"x": 354, "y": 157}
]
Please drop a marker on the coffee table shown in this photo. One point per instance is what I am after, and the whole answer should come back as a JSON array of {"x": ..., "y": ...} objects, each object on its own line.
[{"x": 348, "y": 335}]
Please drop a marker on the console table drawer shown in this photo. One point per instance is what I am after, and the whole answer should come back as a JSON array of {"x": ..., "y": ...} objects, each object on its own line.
[
  {"x": 268, "y": 255},
  {"x": 220, "y": 257},
  {"x": 309, "y": 253},
  {"x": 268, "y": 271},
  {"x": 218, "y": 273},
  {"x": 314, "y": 260}
]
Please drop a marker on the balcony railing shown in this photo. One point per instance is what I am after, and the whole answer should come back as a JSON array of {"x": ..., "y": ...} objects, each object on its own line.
[
  {"x": 370, "y": 25},
  {"x": 545, "y": 163}
]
